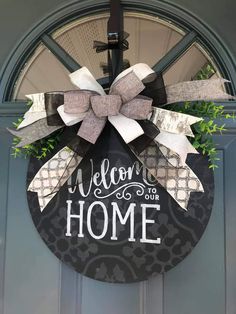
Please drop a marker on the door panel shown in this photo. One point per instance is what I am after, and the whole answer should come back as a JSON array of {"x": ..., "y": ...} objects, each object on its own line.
[
  {"x": 109, "y": 298},
  {"x": 197, "y": 284},
  {"x": 229, "y": 143},
  {"x": 32, "y": 274}
]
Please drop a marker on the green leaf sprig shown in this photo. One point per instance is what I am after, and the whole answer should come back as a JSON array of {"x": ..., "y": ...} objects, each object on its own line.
[{"x": 212, "y": 114}]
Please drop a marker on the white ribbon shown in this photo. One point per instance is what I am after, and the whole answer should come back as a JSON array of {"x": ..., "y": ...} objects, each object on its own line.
[
  {"x": 173, "y": 122},
  {"x": 142, "y": 70},
  {"x": 128, "y": 128},
  {"x": 83, "y": 79},
  {"x": 36, "y": 112}
]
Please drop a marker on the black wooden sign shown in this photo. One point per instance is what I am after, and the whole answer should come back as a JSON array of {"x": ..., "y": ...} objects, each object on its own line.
[{"x": 112, "y": 222}]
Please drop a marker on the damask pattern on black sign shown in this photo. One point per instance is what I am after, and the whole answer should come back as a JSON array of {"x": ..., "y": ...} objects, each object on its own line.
[{"x": 123, "y": 261}]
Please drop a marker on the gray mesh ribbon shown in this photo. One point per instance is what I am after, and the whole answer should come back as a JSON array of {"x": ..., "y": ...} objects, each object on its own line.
[
  {"x": 34, "y": 132},
  {"x": 46, "y": 181},
  {"x": 165, "y": 166}
]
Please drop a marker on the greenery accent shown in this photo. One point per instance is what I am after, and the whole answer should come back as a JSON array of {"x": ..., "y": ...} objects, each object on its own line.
[
  {"x": 211, "y": 113},
  {"x": 203, "y": 130},
  {"x": 205, "y": 72}
]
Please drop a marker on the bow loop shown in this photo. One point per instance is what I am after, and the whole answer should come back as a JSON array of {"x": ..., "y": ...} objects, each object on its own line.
[
  {"x": 128, "y": 87},
  {"x": 91, "y": 127},
  {"x": 121, "y": 99},
  {"x": 104, "y": 106},
  {"x": 77, "y": 101},
  {"x": 138, "y": 108}
]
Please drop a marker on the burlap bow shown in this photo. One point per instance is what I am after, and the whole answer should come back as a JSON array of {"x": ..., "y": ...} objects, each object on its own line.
[
  {"x": 122, "y": 99},
  {"x": 164, "y": 157}
]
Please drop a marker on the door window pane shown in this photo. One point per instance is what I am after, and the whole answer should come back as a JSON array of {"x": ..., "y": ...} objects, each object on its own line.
[{"x": 150, "y": 39}]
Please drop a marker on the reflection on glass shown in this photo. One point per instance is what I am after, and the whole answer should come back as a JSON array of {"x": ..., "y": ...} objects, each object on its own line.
[{"x": 189, "y": 67}]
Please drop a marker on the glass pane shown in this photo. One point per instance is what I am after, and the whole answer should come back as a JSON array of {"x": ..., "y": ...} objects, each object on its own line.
[
  {"x": 190, "y": 66},
  {"x": 42, "y": 73},
  {"x": 77, "y": 39},
  {"x": 150, "y": 39}
]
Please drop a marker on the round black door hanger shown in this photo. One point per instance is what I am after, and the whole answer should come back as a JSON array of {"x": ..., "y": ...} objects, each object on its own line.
[{"x": 111, "y": 222}]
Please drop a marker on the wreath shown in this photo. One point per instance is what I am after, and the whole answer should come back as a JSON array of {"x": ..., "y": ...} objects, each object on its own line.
[{"x": 140, "y": 107}]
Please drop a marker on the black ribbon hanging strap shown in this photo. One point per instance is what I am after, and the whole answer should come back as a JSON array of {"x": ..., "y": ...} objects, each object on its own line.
[
  {"x": 115, "y": 26},
  {"x": 53, "y": 100},
  {"x": 116, "y": 37},
  {"x": 155, "y": 89},
  {"x": 116, "y": 40}
]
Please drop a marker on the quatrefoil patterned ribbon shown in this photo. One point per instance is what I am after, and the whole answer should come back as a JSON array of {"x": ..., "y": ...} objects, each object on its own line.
[{"x": 133, "y": 115}]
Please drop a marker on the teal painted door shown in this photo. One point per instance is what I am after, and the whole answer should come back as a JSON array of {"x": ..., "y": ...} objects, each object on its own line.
[{"x": 34, "y": 281}]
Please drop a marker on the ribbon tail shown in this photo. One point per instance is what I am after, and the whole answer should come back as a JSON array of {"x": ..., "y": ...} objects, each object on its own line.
[
  {"x": 36, "y": 111},
  {"x": 91, "y": 127},
  {"x": 173, "y": 122},
  {"x": 30, "y": 118},
  {"x": 34, "y": 132},
  {"x": 128, "y": 129},
  {"x": 53, "y": 175},
  {"x": 179, "y": 181},
  {"x": 178, "y": 144},
  {"x": 211, "y": 89}
]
